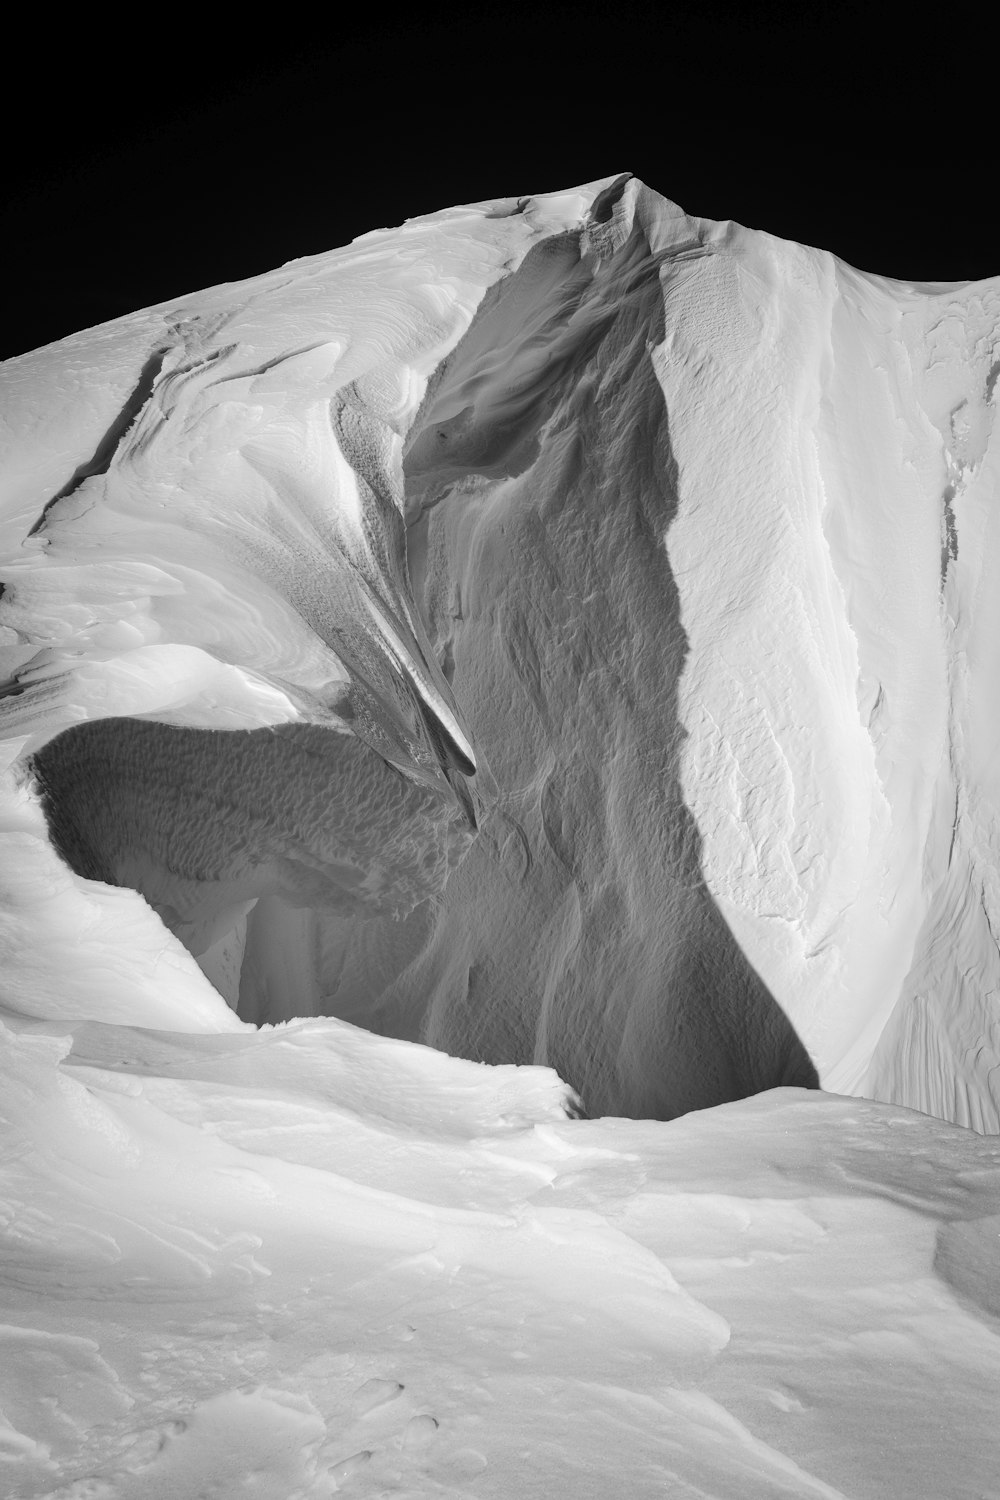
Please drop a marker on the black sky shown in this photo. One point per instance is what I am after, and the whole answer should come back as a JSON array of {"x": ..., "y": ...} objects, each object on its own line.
[{"x": 179, "y": 152}]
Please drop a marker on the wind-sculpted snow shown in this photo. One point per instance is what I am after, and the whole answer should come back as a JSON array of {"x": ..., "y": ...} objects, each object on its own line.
[
  {"x": 234, "y": 553},
  {"x": 560, "y": 630},
  {"x": 304, "y": 1260},
  {"x": 840, "y": 693},
  {"x": 652, "y": 552},
  {"x": 646, "y": 558}
]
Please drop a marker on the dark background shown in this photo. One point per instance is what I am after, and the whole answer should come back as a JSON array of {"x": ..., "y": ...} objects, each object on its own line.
[{"x": 171, "y": 151}]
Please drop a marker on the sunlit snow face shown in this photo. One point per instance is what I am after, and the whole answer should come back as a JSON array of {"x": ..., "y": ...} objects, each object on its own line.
[{"x": 273, "y": 592}]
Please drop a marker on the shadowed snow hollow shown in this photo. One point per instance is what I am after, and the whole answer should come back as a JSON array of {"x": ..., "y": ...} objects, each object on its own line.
[{"x": 553, "y": 630}]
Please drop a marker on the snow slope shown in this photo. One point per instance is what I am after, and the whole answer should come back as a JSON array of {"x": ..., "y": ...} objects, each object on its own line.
[
  {"x": 558, "y": 630},
  {"x": 689, "y": 621},
  {"x": 307, "y": 1260}
]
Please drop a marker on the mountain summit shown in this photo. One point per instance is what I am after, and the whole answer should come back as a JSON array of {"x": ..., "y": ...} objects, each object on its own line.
[{"x": 560, "y": 631}]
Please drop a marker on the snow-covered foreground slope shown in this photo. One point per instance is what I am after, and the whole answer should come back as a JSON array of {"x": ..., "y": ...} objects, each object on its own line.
[
  {"x": 307, "y": 1260},
  {"x": 559, "y": 630}
]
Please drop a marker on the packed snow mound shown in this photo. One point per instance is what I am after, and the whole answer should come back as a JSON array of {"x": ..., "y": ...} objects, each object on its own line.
[
  {"x": 559, "y": 630},
  {"x": 305, "y": 1260}
]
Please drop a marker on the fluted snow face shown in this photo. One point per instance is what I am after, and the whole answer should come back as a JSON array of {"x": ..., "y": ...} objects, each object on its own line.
[{"x": 558, "y": 629}]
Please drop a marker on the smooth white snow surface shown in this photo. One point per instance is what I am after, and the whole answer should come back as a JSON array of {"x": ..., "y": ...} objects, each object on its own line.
[
  {"x": 560, "y": 630},
  {"x": 307, "y": 1260}
]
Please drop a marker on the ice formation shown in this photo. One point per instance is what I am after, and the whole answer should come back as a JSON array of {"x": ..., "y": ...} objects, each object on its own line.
[{"x": 561, "y": 631}]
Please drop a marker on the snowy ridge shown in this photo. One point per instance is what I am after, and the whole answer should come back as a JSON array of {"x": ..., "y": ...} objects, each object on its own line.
[
  {"x": 687, "y": 619},
  {"x": 559, "y": 630}
]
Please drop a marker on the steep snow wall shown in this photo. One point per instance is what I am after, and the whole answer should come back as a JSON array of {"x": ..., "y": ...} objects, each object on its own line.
[
  {"x": 559, "y": 630},
  {"x": 840, "y": 694}
]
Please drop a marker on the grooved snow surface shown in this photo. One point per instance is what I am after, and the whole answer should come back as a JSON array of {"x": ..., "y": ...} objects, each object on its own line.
[{"x": 562, "y": 631}]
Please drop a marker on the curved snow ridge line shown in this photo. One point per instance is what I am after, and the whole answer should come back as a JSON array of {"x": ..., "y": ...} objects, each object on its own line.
[
  {"x": 459, "y": 746},
  {"x": 176, "y": 683},
  {"x": 458, "y": 250},
  {"x": 573, "y": 1254},
  {"x": 577, "y": 1252},
  {"x": 160, "y": 1172},
  {"x": 737, "y": 1451},
  {"x": 414, "y": 755},
  {"x": 188, "y": 357},
  {"x": 157, "y": 471},
  {"x": 325, "y": 1063}
]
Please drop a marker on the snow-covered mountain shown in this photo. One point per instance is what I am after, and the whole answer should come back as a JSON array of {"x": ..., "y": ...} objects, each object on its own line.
[{"x": 560, "y": 631}]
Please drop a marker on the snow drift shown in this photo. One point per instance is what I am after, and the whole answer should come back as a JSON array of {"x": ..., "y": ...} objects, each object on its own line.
[
  {"x": 306, "y": 1260},
  {"x": 561, "y": 631},
  {"x": 649, "y": 550}
]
